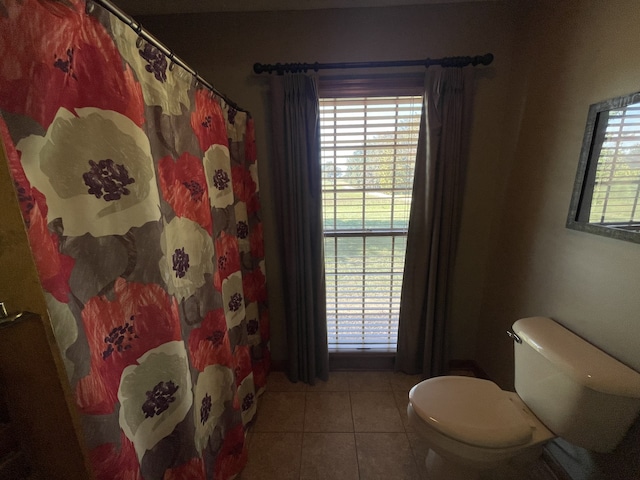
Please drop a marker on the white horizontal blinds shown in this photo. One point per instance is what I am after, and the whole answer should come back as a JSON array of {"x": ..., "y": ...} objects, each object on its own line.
[
  {"x": 617, "y": 182},
  {"x": 368, "y": 157}
]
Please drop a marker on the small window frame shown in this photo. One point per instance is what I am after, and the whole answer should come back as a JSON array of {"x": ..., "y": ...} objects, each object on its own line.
[{"x": 577, "y": 218}]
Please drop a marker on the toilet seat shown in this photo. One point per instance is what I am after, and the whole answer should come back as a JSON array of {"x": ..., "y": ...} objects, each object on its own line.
[{"x": 470, "y": 410}]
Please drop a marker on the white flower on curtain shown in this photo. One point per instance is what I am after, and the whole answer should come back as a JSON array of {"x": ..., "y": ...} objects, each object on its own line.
[
  {"x": 247, "y": 394},
  {"x": 263, "y": 268},
  {"x": 187, "y": 256},
  {"x": 217, "y": 167},
  {"x": 96, "y": 171},
  {"x": 253, "y": 323},
  {"x": 155, "y": 395},
  {"x": 253, "y": 170},
  {"x": 236, "y": 124},
  {"x": 65, "y": 329},
  {"x": 213, "y": 388},
  {"x": 242, "y": 226},
  {"x": 161, "y": 84},
  {"x": 233, "y": 299}
]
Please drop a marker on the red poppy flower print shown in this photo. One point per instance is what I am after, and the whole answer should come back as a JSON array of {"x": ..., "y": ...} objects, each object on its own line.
[
  {"x": 207, "y": 121},
  {"x": 232, "y": 456},
  {"x": 209, "y": 344},
  {"x": 250, "y": 142},
  {"x": 261, "y": 369},
  {"x": 76, "y": 59},
  {"x": 54, "y": 268},
  {"x": 241, "y": 362},
  {"x": 244, "y": 188},
  {"x": 184, "y": 187},
  {"x": 256, "y": 240},
  {"x": 113, "y": 462},
  {"x": 254, "y": 286},
  {"x": 191, "y": 470},
  {"x": 119, "y": 331},
  {"x": 227, "y": 255},
  {"x": 253, "y": 205}
]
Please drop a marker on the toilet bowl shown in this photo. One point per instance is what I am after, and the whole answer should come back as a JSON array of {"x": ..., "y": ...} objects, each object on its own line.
[
  {"x": 471, "y": 425},
  {"x": 565, "y": 387}
]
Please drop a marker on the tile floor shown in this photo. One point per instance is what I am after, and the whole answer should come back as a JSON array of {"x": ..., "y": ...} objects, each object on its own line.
[{"x": 352, "y": 427}]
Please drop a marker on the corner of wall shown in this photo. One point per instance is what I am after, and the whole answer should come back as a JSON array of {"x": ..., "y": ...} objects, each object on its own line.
[{"x": 21, "y": 291}]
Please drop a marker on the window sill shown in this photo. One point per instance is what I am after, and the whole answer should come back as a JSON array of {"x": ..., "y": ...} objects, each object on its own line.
[{"x": 361, "y": 360}]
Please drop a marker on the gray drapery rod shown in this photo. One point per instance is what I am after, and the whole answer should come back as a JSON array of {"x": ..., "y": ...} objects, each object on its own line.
[
  {"x": 281, "y": 68},
  {"x": 173, "y": 59}
]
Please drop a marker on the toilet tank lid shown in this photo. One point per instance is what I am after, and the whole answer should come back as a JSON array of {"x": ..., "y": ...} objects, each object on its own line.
[{"x": 585, "y": 363}]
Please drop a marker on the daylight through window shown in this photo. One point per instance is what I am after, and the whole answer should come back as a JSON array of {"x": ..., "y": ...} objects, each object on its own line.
[
  {"x": 368, "y": 157},
  {"x": 616, "y": 190}
]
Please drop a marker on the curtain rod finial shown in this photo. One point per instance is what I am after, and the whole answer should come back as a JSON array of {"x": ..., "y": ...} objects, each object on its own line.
[{"x": 486, "y": 59}]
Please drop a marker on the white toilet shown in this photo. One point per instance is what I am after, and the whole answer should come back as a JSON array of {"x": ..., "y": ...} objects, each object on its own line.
[{"x": 565, "y": 387}]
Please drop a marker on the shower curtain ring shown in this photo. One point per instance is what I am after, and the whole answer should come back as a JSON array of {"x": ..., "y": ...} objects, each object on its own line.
[
  {"x": 171, "y": 63},
  {"x": 138, "y": 30},
  {"x": 89, "y": 7}
]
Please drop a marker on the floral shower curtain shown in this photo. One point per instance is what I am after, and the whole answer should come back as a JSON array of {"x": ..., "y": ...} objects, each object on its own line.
[{"x": 139, "y": 192}]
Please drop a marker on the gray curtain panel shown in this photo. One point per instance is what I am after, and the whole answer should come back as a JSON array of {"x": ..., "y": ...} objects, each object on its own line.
[
  {"x": 298, "y": 195},
  {"x": 433, "y": 222}
]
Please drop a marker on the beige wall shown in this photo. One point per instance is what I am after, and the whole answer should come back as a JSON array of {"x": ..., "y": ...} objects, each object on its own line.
[
  {"x": 224, "y": 47},
  {"x": 575, "y": 53}
]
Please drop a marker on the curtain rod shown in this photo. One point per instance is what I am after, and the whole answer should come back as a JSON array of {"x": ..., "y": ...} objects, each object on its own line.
[
  {"x": 142, "y": 33},
  {"x": 281, "y": 68}
]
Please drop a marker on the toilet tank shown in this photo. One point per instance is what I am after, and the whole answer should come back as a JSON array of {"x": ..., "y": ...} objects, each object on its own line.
[{"x": 578, "y": 391}]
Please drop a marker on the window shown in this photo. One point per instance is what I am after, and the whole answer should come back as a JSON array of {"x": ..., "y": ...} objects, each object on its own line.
[
  {"x": 606, "y": 192},
  {"x": 616, "y": 189},
  {"x": 368, "y": 155}
]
